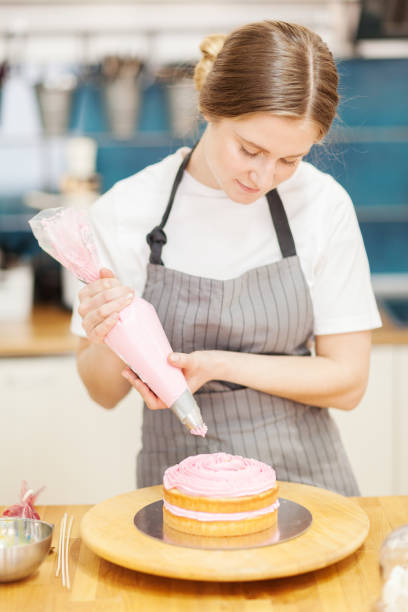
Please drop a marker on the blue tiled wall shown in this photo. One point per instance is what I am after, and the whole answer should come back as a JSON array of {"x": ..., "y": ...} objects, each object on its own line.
[
  {"x": 117, "y": 160},
  {"x": 374, "y": 173},
  {"x": 374, "y": 92},
  {"x": 386, "y": 246}
]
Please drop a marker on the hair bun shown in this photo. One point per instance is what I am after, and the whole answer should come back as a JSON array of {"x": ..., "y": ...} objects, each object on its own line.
[
  {"x": 210, "y": 48},
  {"x": 212, "y": 45}
]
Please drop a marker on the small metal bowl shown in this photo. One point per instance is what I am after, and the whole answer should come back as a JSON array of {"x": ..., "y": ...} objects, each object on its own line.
[{"x": 24, "y": 544}]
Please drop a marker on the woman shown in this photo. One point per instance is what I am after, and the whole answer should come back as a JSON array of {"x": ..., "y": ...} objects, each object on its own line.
[{"x": 248, "y": 254}]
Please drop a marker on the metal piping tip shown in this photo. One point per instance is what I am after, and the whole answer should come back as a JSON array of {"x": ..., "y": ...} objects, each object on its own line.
[{"x": 186, "y": 409}]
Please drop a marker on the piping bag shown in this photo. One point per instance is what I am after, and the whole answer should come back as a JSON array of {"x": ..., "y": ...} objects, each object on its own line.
[{"x": 138, "y": 337}]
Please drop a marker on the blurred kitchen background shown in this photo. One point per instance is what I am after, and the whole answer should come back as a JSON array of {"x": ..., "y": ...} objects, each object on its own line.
[{"x": 91, "y": 92}]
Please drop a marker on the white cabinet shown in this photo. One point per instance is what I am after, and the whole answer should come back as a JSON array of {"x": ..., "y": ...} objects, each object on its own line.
[
  {"x": 400, "y": 437},
  {"x": 375, "y": 433},
  {"x": 53, "y": 434}
]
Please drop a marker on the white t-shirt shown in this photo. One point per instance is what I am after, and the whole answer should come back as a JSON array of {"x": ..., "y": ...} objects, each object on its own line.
[{"x": 211, "y": 236}]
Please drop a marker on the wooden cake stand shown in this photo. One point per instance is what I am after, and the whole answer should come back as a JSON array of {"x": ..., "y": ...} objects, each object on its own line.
[{"x": 339, "y": 527}]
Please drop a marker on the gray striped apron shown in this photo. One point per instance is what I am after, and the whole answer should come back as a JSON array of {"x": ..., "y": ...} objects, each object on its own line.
[{"x": 267, "y": 310}]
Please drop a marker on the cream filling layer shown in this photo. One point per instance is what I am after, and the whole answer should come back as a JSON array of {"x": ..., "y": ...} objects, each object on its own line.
[{"x": 218, "y": 516}]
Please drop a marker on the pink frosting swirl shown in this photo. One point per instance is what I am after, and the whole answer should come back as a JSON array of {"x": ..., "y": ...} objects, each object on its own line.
[
  {"x": 220, "y": 475},
  {"x": 199, "y": 431}
]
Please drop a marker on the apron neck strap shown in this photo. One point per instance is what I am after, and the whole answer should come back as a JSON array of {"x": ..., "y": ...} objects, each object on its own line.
[
  {"x": 281, "y": 224},
  {"x": 157, "y": 238}
]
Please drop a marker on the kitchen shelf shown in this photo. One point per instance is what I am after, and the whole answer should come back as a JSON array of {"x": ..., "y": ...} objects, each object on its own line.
[
  {"x": 140, "y": 139},
  {"x": 159, "y": 138},
  {"x": 387, "y": 213},
  {"x": 372, "y": 133}
]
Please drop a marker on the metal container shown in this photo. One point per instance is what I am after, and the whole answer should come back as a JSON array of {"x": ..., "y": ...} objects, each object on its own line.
[
  {"x": 54, "y": 100},
  {"x": 122, "y": 92},
  {"x": 122, "y": 101},
  {"x": 24, "y": 544},
  {"x": 183, "y": 107},
  {"x": 182, "y": 97}
]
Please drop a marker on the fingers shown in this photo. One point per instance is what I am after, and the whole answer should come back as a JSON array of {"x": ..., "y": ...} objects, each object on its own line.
[
  {"x": 180, "y": 360},
  {"x": 102, "y": 284},
  {"x": 106, "y": 273},
  {"x": 98, "y": 333},
  {"x": 98, "y": 308},
  {"x": 99, "y": 321},
  {"x": 150, "y": 398},
  {"x": 99, "y": 305}
]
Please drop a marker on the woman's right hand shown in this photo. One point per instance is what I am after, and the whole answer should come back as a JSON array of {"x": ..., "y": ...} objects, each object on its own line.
[{"x": 100, "y": 303}]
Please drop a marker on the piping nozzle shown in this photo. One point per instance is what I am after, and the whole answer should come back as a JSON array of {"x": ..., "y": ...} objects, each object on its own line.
[{"x": 186, "y": 409}]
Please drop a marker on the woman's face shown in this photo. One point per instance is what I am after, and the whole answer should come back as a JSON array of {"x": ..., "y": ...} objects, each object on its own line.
[{"x": 249, "y": 156}]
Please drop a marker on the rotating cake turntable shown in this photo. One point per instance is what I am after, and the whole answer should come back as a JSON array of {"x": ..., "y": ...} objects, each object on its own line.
[
  {"x": 293, "y": 520},
  {"x": 338, "y": 528}
]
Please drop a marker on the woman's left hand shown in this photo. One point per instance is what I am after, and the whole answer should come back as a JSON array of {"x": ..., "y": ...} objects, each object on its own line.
[{"x": 196, "y": 367}]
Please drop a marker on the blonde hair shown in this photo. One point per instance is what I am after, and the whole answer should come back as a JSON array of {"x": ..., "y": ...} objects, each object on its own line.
[
  {"x": 210, "y": 48},
  {"x": 268, "y": 66}
]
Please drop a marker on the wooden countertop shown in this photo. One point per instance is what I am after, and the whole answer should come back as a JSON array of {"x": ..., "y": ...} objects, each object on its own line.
[
  {"x": 97, "y": 585},
  {"x": 389, "y": 333},
  {"x": 47, "y": 333}
]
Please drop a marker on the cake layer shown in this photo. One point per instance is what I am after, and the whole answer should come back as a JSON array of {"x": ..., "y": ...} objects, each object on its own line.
[
  {"x": 264, "y": 537},
  {"x": 244, "y": 503},
  {"x": 220, "y": 528}
]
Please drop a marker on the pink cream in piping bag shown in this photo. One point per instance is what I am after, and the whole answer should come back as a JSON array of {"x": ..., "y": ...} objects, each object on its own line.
[{"x": 138, "y": 337}]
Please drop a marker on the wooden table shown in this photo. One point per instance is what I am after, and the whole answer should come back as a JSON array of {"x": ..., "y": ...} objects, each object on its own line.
[
  {"x": 389, "y": 333},
  {"x": 46, "y": 332},
  {"x": 353, "y": 584}
]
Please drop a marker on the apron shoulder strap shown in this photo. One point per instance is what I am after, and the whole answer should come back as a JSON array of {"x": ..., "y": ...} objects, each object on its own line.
[
  {"x": 157, "y": 238},
  {"x": 281, "y": 224}
]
